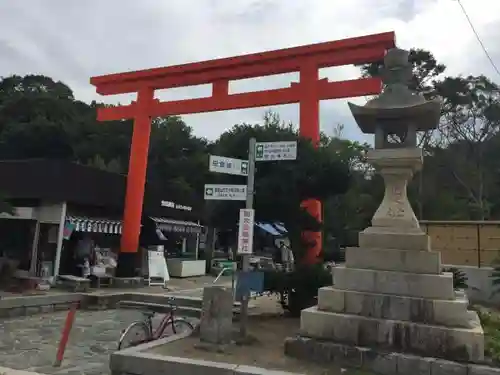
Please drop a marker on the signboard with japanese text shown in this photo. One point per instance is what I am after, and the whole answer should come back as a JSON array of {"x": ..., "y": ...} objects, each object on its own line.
[
  {"x": 273, "y": 151},
  {"x": 225, "y": 192},
  {"x": 245, "y": 231},
  {"x": 221, "y": 164}
]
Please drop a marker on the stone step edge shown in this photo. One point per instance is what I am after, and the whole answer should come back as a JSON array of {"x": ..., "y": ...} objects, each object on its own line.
[
  {"x": 402, "y": 273},
  {"x": 460, "y": 303},
  {"x": 395, "y": 335},
  {"x": 460, "y": 295},
  {"x": 380, "y": 362},
  {"x": 384, "y": 259},
  {"x": 445, "y": 278},
  {"x": 315, "y": 310}
]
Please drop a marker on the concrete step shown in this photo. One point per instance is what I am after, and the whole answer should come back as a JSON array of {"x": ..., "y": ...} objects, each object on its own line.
[
  {"x": 184, "y": 311},
  {"x": 397, "y": 335},
  {"x": 449, "y": 313},
  {"x": 73, "y": 283},
  {"x": 390, "y": 282},
  {"x": 393, "y": 260},
  {"x": 180, "y": 300}
]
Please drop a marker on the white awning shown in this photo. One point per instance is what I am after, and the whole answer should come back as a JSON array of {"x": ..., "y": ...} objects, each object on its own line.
[
  {"x": 95, "y": 225},
  {"x": 177, "y": 226}
]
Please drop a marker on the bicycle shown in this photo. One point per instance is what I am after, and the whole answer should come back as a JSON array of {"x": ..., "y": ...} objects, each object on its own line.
[{"x": 144, "y": 328}]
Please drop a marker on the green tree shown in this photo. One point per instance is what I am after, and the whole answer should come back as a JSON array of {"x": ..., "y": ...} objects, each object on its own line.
[
  {"x": 40, "y": 118},
  {"x": 281, "y": 186},
  {"x": 469, "y": 127},
  {"x": 426, "y": 72},
  {"x": 177, "y": 159},
  {"x": 456, "y": 181},
  {"x": 347, "y": 214}
]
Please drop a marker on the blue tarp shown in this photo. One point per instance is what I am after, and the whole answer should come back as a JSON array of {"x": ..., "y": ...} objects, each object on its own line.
[
  {"x": 280, "y": 227},
  {"x": 274, "y": 229}
]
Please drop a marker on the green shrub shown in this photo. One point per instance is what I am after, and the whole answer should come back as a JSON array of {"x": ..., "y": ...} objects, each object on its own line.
[
  {"x": 490, "y": 320},
  {"x": 495, "y": 278},
  {"x": 459, "y": 277},
  {"x": 298, "y": 289}
]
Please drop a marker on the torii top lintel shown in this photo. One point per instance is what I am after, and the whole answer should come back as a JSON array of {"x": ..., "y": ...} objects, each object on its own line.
[{"x": 305, "y": 59}]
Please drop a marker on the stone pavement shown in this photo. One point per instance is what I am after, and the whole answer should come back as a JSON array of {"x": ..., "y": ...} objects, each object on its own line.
[{"x": 30, "y": 343}]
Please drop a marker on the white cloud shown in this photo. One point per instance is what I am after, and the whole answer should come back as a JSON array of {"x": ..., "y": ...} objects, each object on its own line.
[{"x": 73, "y": 40}]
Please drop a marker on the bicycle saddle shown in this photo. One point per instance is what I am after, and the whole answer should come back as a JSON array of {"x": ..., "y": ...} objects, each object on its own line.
[{"x": 148, "y": 314}]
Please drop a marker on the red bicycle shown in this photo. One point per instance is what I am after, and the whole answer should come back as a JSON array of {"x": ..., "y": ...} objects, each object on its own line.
[{"x": 141, "y": 331}]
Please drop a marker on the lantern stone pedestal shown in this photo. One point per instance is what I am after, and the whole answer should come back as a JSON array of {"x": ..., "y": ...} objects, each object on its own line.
[
  {"x": 391, "y": 295},
  {"x": 394, "y": 225},
  {"x": 391, "y": 292}
]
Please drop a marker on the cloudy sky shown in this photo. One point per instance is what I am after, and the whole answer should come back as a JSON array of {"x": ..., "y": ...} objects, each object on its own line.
[{"x": 72, "y": 40}]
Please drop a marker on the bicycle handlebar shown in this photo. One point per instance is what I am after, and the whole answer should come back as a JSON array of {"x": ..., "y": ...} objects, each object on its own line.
[{"x": 171, "y": 302}]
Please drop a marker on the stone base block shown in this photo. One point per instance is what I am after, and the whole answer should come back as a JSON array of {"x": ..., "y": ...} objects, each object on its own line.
[
  {"x": 399, "y": 283},
  {"x": 378, "y": 361},
  {"x": 393, "y": 260},
  {"x": 450, "y": 313},
  {"x": 389, "y": 238},
  {"x": 444, "y": 342}
]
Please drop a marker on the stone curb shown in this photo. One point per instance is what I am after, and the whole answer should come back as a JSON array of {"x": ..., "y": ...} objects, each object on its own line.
[
  {"x": 11, "y": 371},
  {"x": 392, "y": 363},
  {"x": 31, "y": 305},
  {"x": 12, "y": 307},
  {"x": 133, "y": 361}
]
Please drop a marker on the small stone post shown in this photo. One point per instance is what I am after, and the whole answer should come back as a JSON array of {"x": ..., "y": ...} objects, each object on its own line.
[{"x": 216, "y": 323}]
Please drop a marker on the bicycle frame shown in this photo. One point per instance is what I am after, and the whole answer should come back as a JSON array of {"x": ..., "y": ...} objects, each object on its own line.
[
  {"x": 167, "y": 319},
  {"x": 164, "y": 323}
]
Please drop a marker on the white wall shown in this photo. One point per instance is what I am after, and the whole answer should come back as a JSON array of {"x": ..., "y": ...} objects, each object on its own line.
[
  {"x": 49, "y": 212},
  {"x": 480, "y": 285},
  {"x": 26, "y": 213}
]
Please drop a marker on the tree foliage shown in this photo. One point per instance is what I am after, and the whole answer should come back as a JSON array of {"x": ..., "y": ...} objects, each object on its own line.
[
  {"x": 40, "y": 118},
  {"x": 457, "y": 181},
  {"x": 280, "y": 187}
]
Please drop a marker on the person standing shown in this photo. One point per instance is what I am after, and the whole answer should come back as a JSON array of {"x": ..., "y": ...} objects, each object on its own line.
[{"x": 287, "y": 258}]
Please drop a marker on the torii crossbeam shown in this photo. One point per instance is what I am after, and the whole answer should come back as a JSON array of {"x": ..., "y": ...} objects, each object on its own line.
[{"x": 307, "y": 60}]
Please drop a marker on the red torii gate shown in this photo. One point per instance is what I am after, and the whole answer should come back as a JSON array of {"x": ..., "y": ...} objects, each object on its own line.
[{"x": 307, "y": 60}]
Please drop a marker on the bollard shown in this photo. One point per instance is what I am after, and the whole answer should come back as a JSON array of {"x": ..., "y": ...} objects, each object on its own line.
[{"x": 70, "y": 318}]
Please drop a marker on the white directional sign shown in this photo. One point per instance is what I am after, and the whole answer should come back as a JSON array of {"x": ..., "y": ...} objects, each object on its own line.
[
  {"x": 271, "y": 151},
  {"x": 225, "y": 192},
  {"x": 245, "y": 231},
  {"x": 221, "y": 164}
]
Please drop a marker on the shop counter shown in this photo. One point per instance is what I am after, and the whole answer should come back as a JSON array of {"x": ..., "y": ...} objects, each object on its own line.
[{"x": 182, "y": 267}]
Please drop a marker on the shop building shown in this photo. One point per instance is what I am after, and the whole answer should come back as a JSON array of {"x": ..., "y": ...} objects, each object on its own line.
[{"x": 57, "y": 202}]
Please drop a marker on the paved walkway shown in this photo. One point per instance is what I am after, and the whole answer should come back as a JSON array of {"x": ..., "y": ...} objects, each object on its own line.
[{"x": 30, "y": 343}]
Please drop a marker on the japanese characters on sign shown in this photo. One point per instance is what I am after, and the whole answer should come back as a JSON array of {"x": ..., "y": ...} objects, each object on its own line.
[
  {"x": 221, "y": 164},
  {"x": 177, "y": 206},
  {"x": 245, "y": 231},
  {"x": 225, "y": 192},
  {"x": 179, "y": 228},
  {"x": 271, "y": 151}
]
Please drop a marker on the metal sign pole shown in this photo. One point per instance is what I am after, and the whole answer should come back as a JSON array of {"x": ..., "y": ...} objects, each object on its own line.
[{"x": 246, "y": 257}]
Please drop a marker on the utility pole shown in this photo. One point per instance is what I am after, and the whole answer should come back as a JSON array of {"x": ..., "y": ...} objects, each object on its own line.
[{"x": 246, "y": 257}]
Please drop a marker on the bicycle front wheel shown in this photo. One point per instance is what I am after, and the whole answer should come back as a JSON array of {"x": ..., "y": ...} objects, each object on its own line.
[
  {"x": 135, "y": 334},
  {"x": 181, "y": 325}
]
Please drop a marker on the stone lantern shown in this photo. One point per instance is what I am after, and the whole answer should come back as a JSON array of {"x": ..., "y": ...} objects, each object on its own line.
[
  {"x": 391, "y": 294},
  {"x": 398, "y": 113}
]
